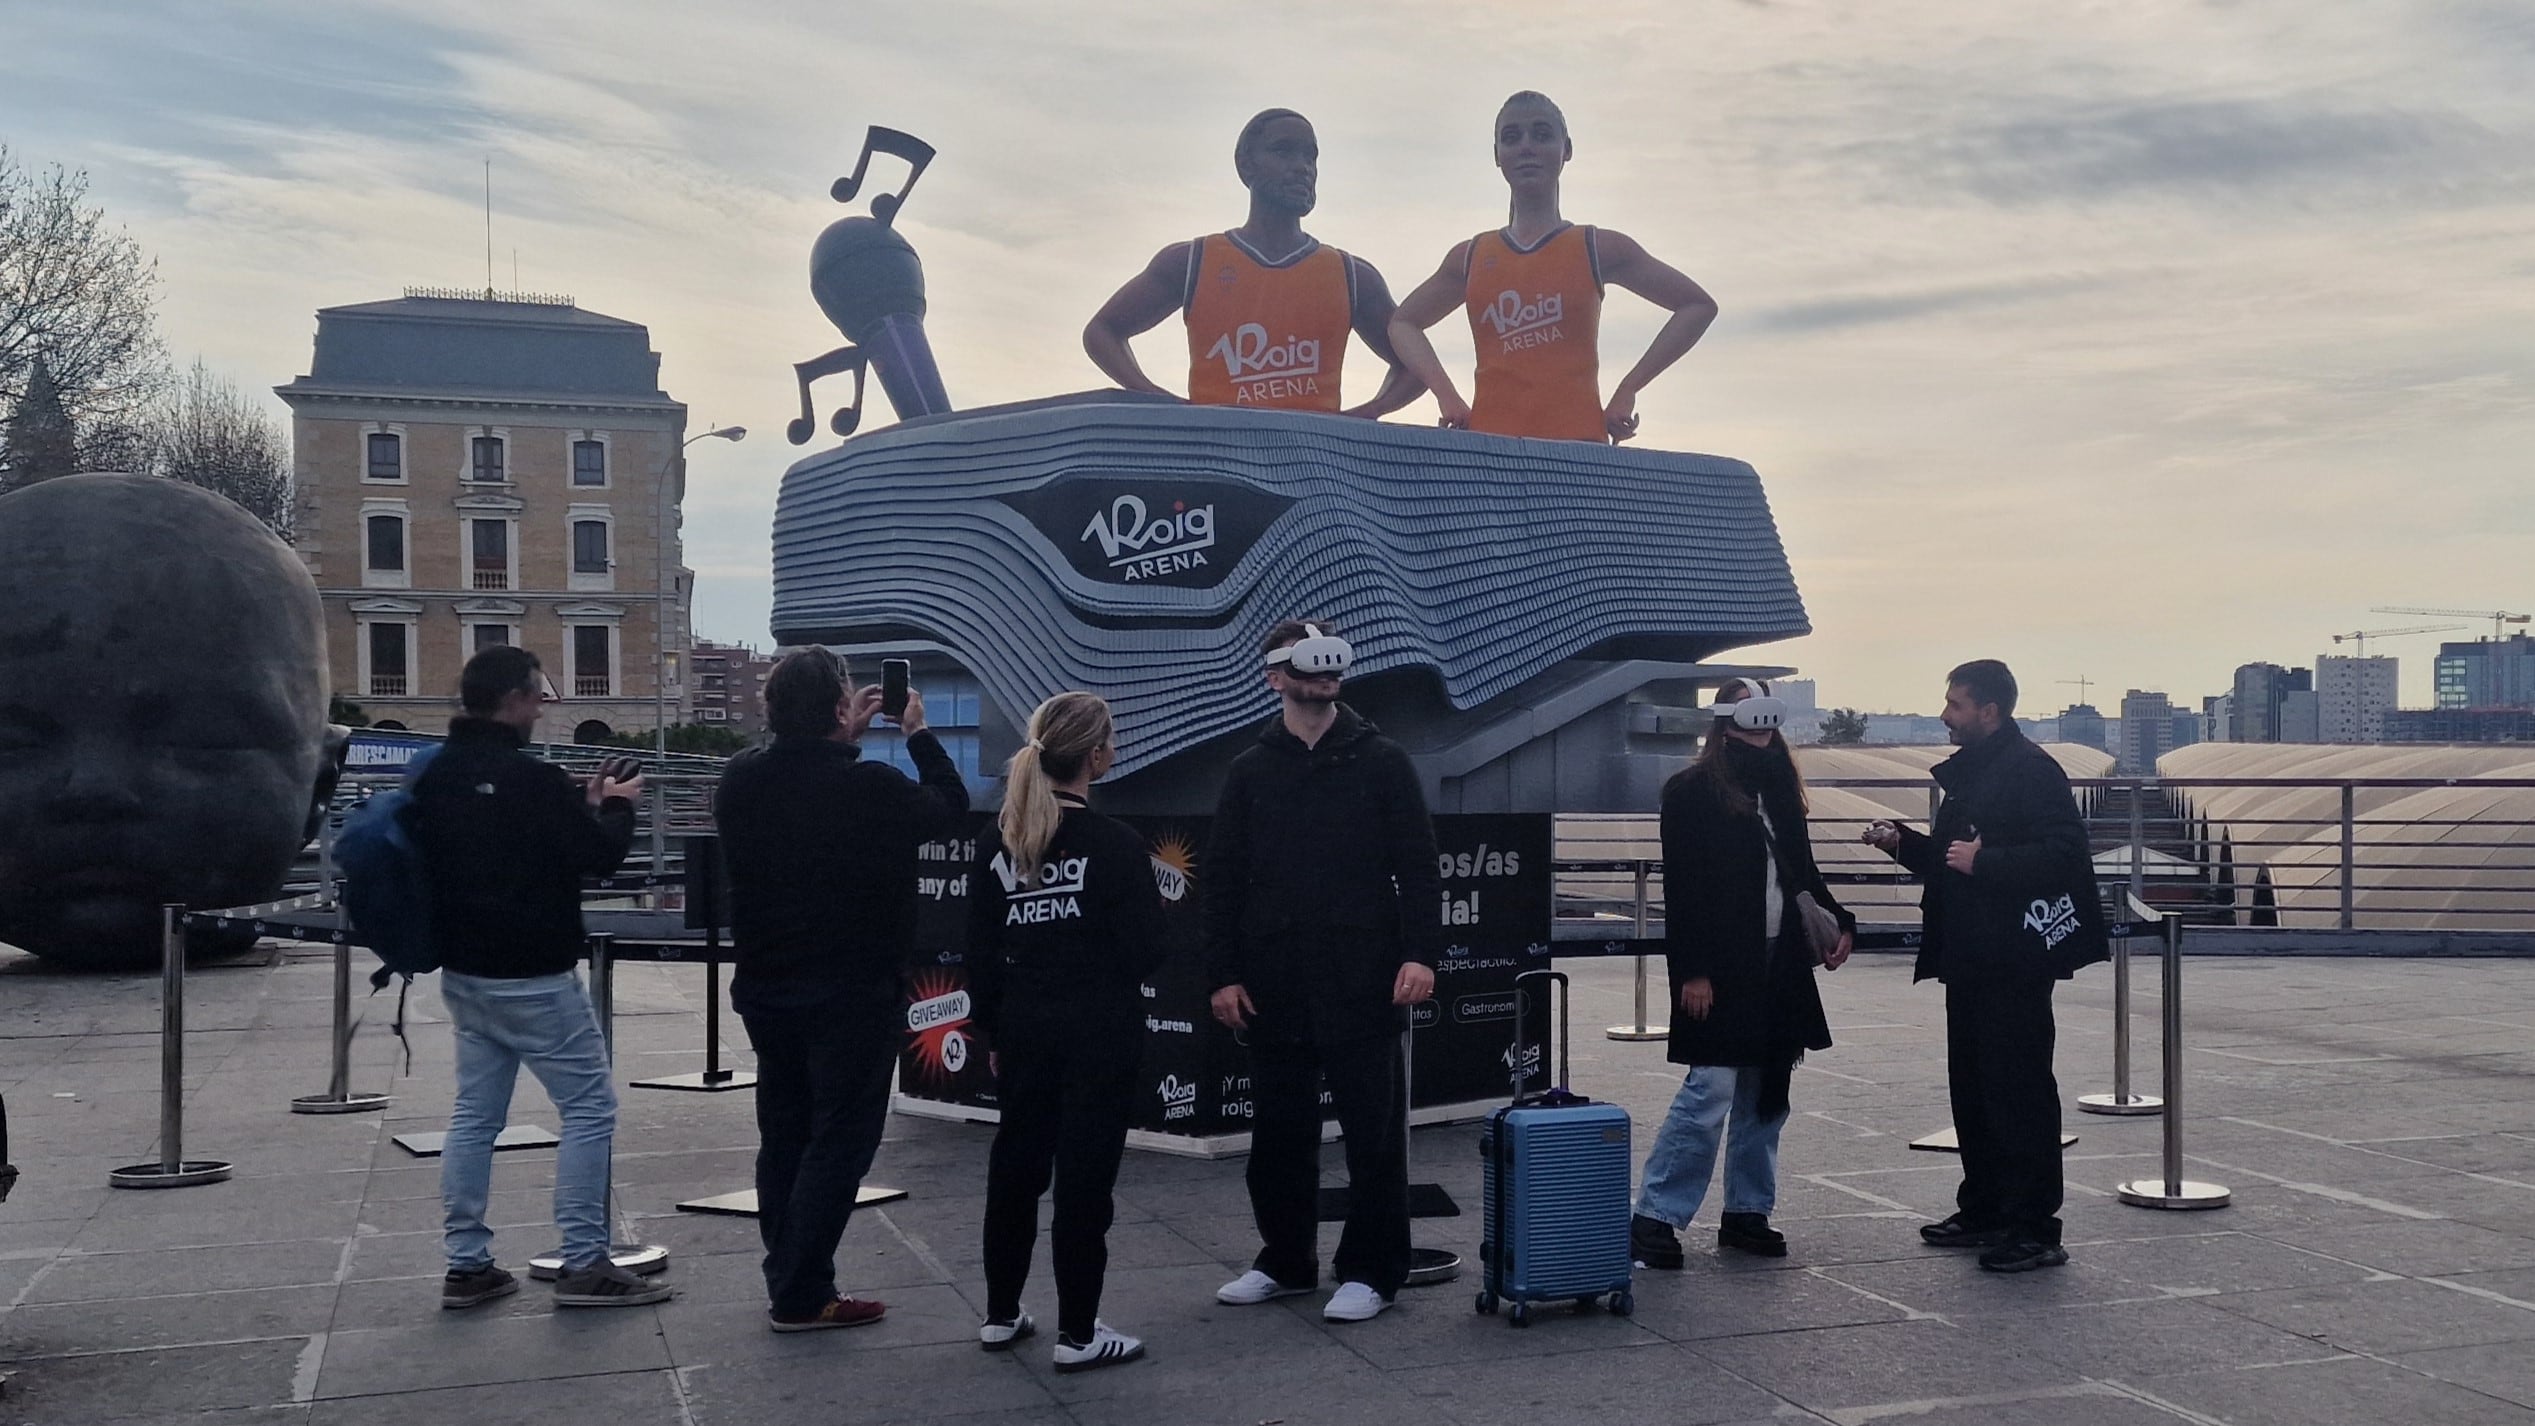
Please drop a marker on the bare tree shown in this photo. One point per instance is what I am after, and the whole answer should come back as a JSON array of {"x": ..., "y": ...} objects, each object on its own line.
[
  {"x": 75, "y": 292},
  {"x": 205, "y": 432}
]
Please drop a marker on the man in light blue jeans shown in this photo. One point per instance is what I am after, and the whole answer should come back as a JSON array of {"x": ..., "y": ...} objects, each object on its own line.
[
  {"x": 545, "y": 1023},
  {"x": 505, "y": 842}
]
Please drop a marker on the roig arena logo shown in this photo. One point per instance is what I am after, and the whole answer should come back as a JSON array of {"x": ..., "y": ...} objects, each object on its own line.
[
  {"x": 1142, "y": 543},
  {"x": 1186, "y": 531}
]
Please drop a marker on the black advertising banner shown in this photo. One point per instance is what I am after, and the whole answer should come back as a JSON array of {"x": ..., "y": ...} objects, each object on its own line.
[{"x": 1494, "y": 915}]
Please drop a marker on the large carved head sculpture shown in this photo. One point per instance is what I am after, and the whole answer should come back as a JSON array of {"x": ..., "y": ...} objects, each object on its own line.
[{"x": 162, "y": 712}]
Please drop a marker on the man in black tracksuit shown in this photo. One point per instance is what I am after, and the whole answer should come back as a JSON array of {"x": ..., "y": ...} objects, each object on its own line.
[
  {"x": 821, "y": 848},
  {"x": 1321, "y": 888},
  {"x": 2009, "y": 908}
]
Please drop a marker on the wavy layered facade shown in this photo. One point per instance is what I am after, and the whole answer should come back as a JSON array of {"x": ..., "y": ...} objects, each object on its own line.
[{"x": 1140, "y": 548}]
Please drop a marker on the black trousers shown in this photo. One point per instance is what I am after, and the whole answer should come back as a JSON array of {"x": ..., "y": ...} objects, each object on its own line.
[
  {"x": 823, "y": 1076},
  {"x": 1998, "y": 1038},
  {"x": 1365, "y": 1082},
  {"x": 1066, "y": 1084}
]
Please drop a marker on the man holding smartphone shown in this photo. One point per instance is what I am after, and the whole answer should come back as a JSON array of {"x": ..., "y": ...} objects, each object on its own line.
[
  {"x": 506, "y": 841},
  {"x": 2009, "y": 909},
  {"x": 820, "y": 844}
]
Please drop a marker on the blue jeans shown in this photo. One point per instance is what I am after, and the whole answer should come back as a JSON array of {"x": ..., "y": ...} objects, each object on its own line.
[
  {"x": 1684, "y": 1157},
  {"x": 544, "y": 1022}
]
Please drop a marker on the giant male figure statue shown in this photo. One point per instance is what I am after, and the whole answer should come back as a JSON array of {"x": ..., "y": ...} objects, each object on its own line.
[{"x": 162, "y": 712}]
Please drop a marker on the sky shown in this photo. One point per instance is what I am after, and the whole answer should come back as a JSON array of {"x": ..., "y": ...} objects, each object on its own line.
[{"x": 2128, "y": 341}]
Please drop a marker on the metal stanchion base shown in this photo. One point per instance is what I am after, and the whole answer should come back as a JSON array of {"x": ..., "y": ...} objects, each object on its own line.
[
  {"x": 1429, "y": 1266},
  {"x": 643, "y": 1259},
  {"x": 189, "y": 1174},
  {"x": 348, "y": 1104},
  {"x": 1946, "y": 1141},
  {"x": 2115, "y": 1104},
  {"x": 1635, "y": 1032},
  {"x": 2165, "y": 1193},
  {"x": 515, "y": 1136},
  {"x": 743, "y": 1204},
  {"x": 701, "y": 1082}
]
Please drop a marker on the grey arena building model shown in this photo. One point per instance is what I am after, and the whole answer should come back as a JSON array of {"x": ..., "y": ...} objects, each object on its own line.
[{"x": 1531, "y": 618}]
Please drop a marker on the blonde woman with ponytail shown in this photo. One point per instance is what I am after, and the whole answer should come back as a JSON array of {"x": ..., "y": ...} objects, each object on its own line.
[{"x": 1065, "y": 925}]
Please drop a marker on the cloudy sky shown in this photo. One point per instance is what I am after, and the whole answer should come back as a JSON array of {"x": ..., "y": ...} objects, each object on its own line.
[{"x": 2131, "y": 340}]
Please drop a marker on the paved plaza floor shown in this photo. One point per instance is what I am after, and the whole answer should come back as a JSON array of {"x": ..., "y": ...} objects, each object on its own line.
[{"x": 2375, "y": 1119}]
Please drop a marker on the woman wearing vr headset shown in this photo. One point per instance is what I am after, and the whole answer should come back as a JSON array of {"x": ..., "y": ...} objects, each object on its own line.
[
  {"x": 1065, "y": 923},
  {"x": 1745, "y": 1008}
]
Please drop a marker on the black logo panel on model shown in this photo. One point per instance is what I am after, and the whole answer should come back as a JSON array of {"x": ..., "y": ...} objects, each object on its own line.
[{"x": 1186, "y": 532}]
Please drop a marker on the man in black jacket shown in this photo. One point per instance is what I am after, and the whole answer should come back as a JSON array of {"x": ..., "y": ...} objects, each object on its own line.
[
  {"x": 1321, "y": 890},
  {"x": 821, "y": 849},
  {"x": 505, "y": 842},
  {"x": 2009, "y": 908}
]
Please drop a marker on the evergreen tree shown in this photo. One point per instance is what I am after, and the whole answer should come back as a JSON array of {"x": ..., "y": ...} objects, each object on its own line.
[
  {"x": 1843, "y": 728},
  {"x": 41, "y": 442}
]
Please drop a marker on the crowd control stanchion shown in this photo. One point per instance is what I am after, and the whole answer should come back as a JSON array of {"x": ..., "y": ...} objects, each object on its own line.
[
  {"x": 339, "y": 1098},
  {"x": 625, "y": 1249},
  {"x": 173, "y": 1169},
  {"x": 2121, "y": 1100},
  {"x": 2172, "y": 1190},
  {"x": 1640, "y": 1030},
  {"x": 1426, "y": 1266},
  {"x": 701, "y": 872}
]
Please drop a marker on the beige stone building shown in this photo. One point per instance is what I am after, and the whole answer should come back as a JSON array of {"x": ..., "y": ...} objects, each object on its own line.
[{"x": 476, "y": 470}]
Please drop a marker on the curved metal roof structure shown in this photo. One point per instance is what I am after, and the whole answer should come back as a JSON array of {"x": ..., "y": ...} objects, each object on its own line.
[{"x": 1140, "y": 548}]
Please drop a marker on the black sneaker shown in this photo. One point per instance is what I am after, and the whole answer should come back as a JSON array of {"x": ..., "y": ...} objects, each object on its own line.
[
  {"x": 1961, "y": 1232},
  {"x": 475, "y": 1287},
  {"x": 1751, "y": 1233},
  {"x": 2023, "y": 1256},
  {"x": 1653, "y": 1244}
]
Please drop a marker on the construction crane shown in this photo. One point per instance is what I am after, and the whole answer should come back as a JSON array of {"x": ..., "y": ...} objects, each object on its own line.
[
  {"x": 2361, "y": 636},
  {"x": 2083, "y": 683},
  {"x": 2498, "y": 617}
]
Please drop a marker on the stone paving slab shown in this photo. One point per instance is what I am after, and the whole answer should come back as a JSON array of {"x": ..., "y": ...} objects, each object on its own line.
[{"x": 2376, "y": 1120}]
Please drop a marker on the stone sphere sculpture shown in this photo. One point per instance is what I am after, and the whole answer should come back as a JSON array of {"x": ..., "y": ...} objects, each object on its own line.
[{"x": 162, "y": 712}]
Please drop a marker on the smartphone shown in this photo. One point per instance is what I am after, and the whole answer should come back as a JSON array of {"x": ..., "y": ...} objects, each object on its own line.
[
  {"x": 621, "y": 768},
  {"x": 893, "y": 688}
]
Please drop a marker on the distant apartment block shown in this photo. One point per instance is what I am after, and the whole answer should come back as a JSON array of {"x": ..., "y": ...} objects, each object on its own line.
[
  {"x": 2460, "y": 725},
  {"x": 2218, "y": 719},
  {"x": 481, "y": 470},
  {"x": 2352, "y": 697},
  {"x": 2083, "y": 723},
  {"x": 2487, "y": 673},
  {"x": 2187, "y": 729},
  {"x": 730, "y": 685},
  {"x": 2147, "y": 731},
  {"x": 2256, "y": 702}
]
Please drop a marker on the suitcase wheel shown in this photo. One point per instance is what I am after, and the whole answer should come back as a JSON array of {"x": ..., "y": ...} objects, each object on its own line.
[
  {"x": 1520, "y": 1314},
  {"x": 1487, "y": 1303},
  {"x": 1623, "y": 1302}
]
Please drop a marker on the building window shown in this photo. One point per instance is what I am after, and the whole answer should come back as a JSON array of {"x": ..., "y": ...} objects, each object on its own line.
[
  {"x": 489, "y": 636},
  {"x": 387, "y": 543},
  {"x": 389, "y": 673},
  {"x": 592, "y": 660},
  {"x": 491, "y": 565},
  {"x": 589, "y": 462},
  {"x": 589, "y": 547},
  {"x": 712, "y": 715},
  {"x": 489, "y": 465},
  {"x": 386, "y": 457}
]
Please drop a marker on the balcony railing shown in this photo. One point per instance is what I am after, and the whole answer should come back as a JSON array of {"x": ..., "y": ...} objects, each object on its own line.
[
  {"x": 590, "y": 686},
  {"x": 492, "y": 579},
  {"x": 387, "y": 685}
]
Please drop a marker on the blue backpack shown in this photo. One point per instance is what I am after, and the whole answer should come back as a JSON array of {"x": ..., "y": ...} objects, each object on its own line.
[{"x": 385, "y": 891}]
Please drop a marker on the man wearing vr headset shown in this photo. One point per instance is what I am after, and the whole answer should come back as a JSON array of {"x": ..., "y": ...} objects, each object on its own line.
[{"x": 1320, "y": 927}]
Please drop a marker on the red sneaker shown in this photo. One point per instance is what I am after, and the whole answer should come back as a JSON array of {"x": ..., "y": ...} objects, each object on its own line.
[{"x": 838, "y": 1312}]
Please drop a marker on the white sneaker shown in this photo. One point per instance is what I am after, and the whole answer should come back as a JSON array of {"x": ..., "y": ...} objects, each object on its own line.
[
  {"x": 999, "y": 1336},
  {"x": 1254, "y": 1287},
  {"x": 1107, "y": 1348},
  {"x": 1354, "y": 1302}
]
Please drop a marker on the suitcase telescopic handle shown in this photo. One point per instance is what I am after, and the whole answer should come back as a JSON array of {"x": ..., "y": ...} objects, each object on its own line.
[{"x": 1564, "y": 997}]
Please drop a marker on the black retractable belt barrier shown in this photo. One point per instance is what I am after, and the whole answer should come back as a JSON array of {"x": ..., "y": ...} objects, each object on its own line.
[
  {"x": 173, "y": 1169},
  {"x": 625, "y": 1248},
  {"x": 707, "y": 885}
]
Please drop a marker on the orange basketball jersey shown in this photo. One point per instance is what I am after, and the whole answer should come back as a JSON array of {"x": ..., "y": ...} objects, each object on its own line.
[
  {"x": 1267, "y": 334},
  {"x": 1536, "y": 319}
]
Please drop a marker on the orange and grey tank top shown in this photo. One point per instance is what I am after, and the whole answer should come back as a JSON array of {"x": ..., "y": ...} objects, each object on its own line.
[
  {"x": 1536, "y": 319},
  {"x": 1264, "y": 333}
]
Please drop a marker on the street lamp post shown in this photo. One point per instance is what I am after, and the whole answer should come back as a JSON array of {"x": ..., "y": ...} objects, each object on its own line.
[{"x": 660, "y": 611}]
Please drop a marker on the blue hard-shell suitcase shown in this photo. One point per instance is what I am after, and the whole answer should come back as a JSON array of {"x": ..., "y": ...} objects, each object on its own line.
[{"x": 1555, "y": 1190}]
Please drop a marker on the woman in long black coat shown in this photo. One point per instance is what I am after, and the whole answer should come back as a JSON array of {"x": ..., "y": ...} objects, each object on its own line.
[{"x": 1745, "y": 1007}]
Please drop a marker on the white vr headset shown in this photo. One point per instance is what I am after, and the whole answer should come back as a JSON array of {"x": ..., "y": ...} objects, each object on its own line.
[
  {"x": 1313, "y": 656},
  {"x": 1756, "y": 709}
]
